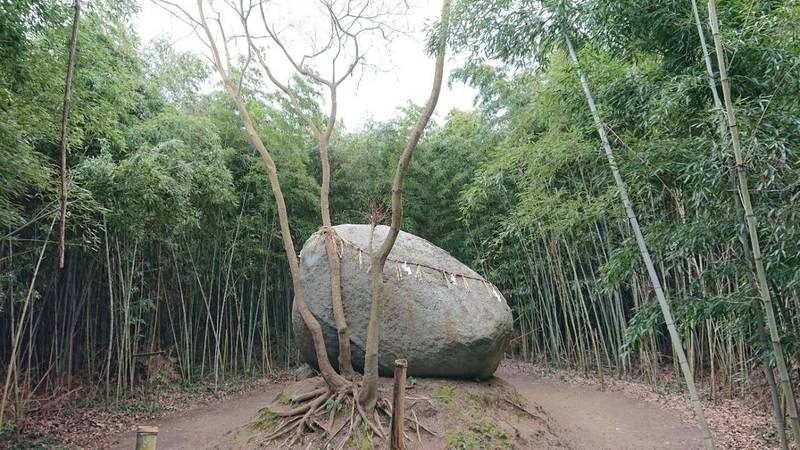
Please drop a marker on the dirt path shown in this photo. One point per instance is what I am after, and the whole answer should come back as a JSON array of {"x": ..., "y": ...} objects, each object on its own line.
[
  {"x": 204, "y": 427},
  {"x": 586, "y": 417},
  {"x": 589, "y": 418}
]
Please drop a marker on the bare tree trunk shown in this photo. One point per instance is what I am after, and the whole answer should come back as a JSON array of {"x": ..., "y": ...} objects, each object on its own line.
[
  {"x": 335, "y": 381},
  {"x": 665, "y": 308},
  {"x": 369, "y": 392},
  {"x": 345, "y": 361},
  {"x": 322, "y": 136},
  {"x": 752, "y": 228},
  {"x": 64, "y": 118}
]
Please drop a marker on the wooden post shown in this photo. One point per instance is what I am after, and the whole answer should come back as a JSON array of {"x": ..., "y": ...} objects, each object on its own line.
[
  {"x": 398, "y": 404},
  {"x": 146, "y": 437}
]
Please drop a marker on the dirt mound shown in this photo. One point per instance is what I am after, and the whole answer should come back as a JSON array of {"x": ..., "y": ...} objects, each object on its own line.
[{"x": 440, "y": 414}]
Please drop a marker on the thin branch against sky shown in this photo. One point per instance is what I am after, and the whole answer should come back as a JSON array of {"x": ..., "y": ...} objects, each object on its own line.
[{"x": 387, "y": 80}]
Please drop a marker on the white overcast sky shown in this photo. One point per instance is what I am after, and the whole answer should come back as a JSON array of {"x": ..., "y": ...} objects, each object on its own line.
[{"x": 406, "y": 74}]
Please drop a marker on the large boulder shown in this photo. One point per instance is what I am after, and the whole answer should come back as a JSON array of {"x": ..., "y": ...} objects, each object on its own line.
[{"x": 439, "y": 314}]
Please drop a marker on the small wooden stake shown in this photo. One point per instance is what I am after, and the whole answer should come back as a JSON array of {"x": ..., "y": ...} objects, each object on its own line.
[
  {"x": 146, "y": 437},
  {"x": 398, "y": 404}
]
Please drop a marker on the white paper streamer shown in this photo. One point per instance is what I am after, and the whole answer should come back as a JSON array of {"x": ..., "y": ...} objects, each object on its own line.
[{"x": 497, "y": 295}]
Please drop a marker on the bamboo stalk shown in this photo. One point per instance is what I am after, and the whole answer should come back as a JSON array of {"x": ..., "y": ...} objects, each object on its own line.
[
  {"x": 73, "y": 42},
  {"x": 18, "y": 332},
  {"x": 752, "y": 227},
  {"x": 665, "y": 308}
]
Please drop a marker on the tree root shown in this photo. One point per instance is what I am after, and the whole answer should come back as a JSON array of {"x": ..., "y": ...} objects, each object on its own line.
[{"x": 333, "y": 417}]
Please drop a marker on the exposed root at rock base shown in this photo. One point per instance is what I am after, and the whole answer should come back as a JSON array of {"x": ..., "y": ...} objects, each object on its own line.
[
  {"x": 439, "y": 414},
  {"x": 317, "y": 411}
]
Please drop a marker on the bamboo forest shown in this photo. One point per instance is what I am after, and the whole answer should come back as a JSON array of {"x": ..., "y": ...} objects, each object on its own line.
[{"x": 551, "y": 224}]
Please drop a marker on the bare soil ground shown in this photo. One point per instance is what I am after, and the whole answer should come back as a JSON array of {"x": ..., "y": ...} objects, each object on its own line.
[
  {"x": 525, "y": 407},
  {"x": 80, "y": 418},
  {"x": 590, "y": 418},
  {"x": 207, "y": 426},
  {"x": 566, "y": 412},
  {"x": 735, "y": 423}
]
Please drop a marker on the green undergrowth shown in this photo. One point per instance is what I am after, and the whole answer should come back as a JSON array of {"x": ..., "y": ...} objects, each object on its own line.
[
  {"x": 362, "y": 438},
  {"x": 11, "y": 440},
  {"x": 266, "y": 420},
  {"x": 482, "y": 434},
  {"x": 148, "y": 407},
  {"x": 444, "y": 394},
  {"x": 476, "y": 428},
  {"x": 285, "y": 396}
]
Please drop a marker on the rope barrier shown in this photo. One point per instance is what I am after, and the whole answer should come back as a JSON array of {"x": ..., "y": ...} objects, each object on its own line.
[{"x": 450, "y": 278}]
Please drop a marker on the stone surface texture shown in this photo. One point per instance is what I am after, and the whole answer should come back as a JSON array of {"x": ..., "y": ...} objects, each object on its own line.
[{"x": 439, "y": 314}]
